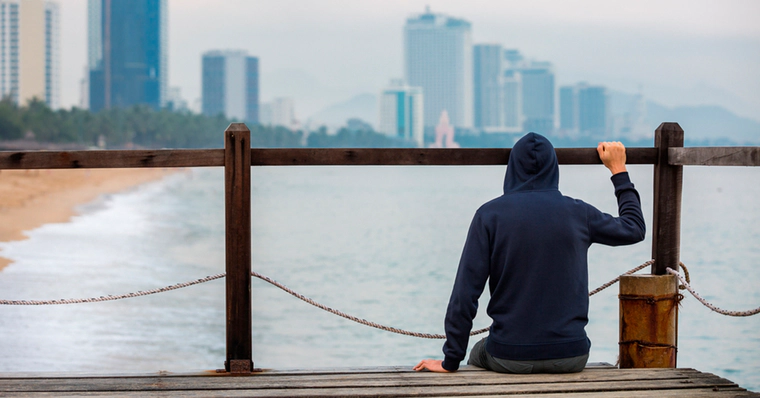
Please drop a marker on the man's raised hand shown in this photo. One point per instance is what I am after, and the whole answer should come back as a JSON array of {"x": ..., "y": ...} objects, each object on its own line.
[{"x": 612, "y": 155}]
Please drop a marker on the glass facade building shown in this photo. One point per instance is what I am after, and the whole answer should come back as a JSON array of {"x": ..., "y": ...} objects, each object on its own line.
[
  {"x": 538, "y": 97},
  {"x": 127, "y": 53},
  {"x": 568, "y": 109},
  {"x": 584, "y": 110},
  {"x": 512, "y": 105},
  {"x": 231, "y": 85},
  {"x": 401, "y": 113},
  {"x": 488, "y": 86}
]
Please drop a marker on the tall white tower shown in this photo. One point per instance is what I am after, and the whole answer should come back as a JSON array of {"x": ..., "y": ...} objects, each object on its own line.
[{"x": 438, "y": 58}]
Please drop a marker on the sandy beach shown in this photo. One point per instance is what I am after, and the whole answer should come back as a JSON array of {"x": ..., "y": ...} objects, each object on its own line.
[{"x": 32, "y": 198}]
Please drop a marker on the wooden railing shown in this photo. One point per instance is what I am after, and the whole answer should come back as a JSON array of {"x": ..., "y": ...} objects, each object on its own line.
[{"x": 668, "y": 157}]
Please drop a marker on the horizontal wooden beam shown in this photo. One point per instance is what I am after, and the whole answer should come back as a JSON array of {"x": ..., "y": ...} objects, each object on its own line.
[
  {"x": 714, "y": 156},
  {"x": 295, "y": 157},
  {"x": 112, "y": 159},
  {"x": 424, "y": 157}
]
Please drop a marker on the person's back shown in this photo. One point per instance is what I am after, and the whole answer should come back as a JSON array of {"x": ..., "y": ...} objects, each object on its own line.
[{"x": 531, "y": 245}]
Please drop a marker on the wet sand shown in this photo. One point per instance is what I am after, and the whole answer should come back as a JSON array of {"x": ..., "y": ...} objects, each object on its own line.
[{"x": 32, "y": 198}]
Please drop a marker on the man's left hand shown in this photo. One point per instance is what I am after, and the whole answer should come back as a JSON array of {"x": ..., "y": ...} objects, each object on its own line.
[{"x": 432, "y": 365}]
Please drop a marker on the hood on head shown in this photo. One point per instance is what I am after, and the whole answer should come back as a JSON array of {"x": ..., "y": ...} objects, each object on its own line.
[{"x": 532, "y": 165}]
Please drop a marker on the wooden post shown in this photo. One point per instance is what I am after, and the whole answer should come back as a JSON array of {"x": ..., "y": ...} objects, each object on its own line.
[
  {"x": 649, "y": 304},
  {"x": 237, "y": 181},
  {"x": 668, "y": 181}
]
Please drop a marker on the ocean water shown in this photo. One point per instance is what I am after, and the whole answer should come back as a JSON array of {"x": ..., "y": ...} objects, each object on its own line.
[{"x": 381, "y": 243}]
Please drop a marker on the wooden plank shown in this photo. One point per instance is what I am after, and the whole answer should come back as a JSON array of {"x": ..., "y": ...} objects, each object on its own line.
[
  {"x": 294, "y": 157},
  {"x": 237, "y": 178},
  {"x": 408, "y": 379},
  {"x": 259, "y": 383},
  {"x": 112, "y": 159},
  {"x": 670, "y": 383},
  {"x": 609, "y": 373},
  {"x": 429, "y": 157},
  {"x": 668, "y": 183},
  {"x": 692, "y": 393},
  {"x": 714, "y": 156},
  {"x": 466, "y": 371},
  {"x": 595, "y": 366},
  {"x": 391, "y": 390}
]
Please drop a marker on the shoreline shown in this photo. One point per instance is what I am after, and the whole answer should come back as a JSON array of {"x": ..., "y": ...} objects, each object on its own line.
[{"x": 30, "y": 199}]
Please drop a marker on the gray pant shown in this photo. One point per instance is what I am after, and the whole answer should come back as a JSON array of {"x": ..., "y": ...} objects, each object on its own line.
[{"x": 482, "y": 359}]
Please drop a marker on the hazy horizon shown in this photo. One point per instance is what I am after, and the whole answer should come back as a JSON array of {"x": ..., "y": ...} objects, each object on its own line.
[{"x": 674, "y": 52}]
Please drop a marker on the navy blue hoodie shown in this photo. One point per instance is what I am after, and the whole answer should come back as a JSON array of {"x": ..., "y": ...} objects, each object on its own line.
[{"x": 531, "y": 246}]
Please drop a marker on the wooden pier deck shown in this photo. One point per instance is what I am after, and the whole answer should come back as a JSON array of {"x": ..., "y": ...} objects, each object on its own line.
[{"x": 596, "y": 381}]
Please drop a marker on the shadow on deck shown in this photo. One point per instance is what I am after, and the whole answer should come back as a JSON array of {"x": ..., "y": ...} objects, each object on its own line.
[{"x": 596, "y": 381}]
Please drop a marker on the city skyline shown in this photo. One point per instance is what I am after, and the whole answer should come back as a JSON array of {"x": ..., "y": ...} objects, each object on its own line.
[{"x": 325, "y": 54}]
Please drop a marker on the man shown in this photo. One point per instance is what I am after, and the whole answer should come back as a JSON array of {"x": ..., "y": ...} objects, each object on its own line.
[{"x": 531, "y": 245}]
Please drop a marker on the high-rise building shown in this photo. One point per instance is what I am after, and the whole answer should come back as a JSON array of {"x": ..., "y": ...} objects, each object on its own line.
[
  {"x": 280, "y": 112},
  {"x": 401, "y": 113},
  {"x": 568, "y": 109},
  {"x": 127, "y": 54},
  {"x": 584, "y": 109},
  {"x": 537, "y": 96},
  {"x": 438, "y": 58},
  {"x": 174, "y": 100},
  {"x": 29, "y": 51},
  {"x": 512, "y": 101},
  {"x": 488, "y": 86},
  {"x": 231, "y": 85},
  {"x": 513, "y": 57},
  {"x": 593, "y": 110}
]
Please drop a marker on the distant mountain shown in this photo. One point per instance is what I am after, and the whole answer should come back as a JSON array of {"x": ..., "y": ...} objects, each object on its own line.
[
  {"x": 702, "y": 124},
  {"x": 709, "y": 123},
  {"x": 362, "y": 106}
]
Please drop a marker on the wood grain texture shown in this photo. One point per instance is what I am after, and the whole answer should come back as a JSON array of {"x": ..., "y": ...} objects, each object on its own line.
[
  {"x": 714, "y": 156},
  {"x": 237, "y": 181},
  {"x": 422, "y": 157},
  {"x": 295, "y": 157},
  {"x": 383, "y": 382},
  {"x": 112, "y": 159},
  {"x": 668, "y": 185}
]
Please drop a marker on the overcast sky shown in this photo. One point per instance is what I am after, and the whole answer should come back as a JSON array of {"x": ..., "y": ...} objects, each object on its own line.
[{"x": 676, "y": 52}]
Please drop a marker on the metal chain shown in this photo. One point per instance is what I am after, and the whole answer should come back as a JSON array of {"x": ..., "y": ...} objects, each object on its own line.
[
  {"x": 707, "y": 304},
  {"x": 110, "y": 297}
]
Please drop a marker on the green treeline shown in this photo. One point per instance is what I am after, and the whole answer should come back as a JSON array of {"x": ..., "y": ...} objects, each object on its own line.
[{"x": 142, "y": 127}]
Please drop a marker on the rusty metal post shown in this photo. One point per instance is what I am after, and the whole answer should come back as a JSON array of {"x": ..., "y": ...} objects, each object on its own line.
[
  {"x": 237, "y": 181},
  {"x": 648, "y": 321},
  {"x": 649, "y": 304}
]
